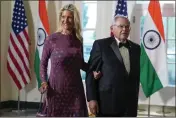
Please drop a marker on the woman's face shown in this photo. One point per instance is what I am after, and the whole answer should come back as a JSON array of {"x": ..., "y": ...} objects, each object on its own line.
[{"x": 67, "y": 20}]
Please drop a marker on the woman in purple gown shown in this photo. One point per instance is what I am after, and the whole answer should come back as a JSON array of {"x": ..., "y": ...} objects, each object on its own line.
[{"x": 65, "y": 92}]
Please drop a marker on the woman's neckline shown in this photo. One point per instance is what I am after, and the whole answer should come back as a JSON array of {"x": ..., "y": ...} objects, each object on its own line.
[{"x": 71, "y": 34}]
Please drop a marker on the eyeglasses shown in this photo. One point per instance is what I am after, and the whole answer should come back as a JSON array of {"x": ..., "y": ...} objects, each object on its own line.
[{"x": 123, "y": 26}]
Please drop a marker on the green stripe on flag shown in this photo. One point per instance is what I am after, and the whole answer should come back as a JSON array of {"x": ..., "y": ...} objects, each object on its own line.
[
  {"x": 37, "y": 67},
  {"x": 148, "y": 77}
]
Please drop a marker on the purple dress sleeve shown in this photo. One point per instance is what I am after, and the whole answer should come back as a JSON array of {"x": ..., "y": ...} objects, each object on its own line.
[
  {"x": 85, "y": 65},
  {"x": 44, "y": 60}
]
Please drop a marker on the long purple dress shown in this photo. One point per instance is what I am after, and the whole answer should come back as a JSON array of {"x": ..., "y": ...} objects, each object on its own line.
[{"x": 66, "y": 93}]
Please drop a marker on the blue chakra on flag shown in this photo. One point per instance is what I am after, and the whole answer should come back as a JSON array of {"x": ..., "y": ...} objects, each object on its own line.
[
  {"x": 41, "y": 36},
  {"x": 151, "y": 39}
]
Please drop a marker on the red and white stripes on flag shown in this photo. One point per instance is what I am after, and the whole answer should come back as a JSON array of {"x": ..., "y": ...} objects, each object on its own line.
[{"x": 18, "y": 50}]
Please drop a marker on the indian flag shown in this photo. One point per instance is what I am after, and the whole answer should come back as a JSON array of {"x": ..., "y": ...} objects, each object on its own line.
[
  {"x": 42, "y": 33},
  {"x": 153, "y": 61}
]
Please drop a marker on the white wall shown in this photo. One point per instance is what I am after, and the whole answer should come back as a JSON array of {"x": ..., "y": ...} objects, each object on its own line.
[
  {"x": 5, "y": 31},
  {"x": 105, "y": 12}
]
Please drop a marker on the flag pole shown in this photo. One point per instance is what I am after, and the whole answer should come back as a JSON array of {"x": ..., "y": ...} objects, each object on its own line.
[
  {"x": 149, "y": 108},
  {"x": 18, "y": 111},
  {"x": 18, "y": 102},
  {"x": 0, "y": 104}
]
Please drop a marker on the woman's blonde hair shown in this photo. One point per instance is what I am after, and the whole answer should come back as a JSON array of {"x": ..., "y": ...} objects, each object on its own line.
[{"x": 77, "y": 22}]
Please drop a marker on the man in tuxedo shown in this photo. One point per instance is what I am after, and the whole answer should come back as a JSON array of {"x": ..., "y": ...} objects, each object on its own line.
[{"x": 115, "y": 93}]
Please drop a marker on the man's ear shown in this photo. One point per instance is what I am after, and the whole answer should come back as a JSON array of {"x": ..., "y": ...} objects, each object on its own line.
[{"x": 111, "y": 27}]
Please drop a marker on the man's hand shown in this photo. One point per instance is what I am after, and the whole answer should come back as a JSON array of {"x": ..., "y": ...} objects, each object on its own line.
[
  {"x": 97, "y": 75},
  {"x": 43, "y": 88},
  {"x": 93, "y": 106}
]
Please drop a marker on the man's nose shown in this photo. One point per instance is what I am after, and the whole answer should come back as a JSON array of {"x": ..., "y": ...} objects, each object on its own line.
[{"x": 125, "y": 27}]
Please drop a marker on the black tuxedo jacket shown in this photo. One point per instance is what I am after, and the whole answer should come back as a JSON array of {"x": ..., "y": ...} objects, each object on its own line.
[{"x": 116, "y": 91}]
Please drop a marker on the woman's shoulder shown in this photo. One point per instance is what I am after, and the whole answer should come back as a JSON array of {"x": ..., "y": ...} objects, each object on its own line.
[{"x": 52, "y": 37}]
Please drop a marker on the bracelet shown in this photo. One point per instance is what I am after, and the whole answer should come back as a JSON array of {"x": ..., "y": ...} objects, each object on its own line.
[{"x": 44, "y": 83}]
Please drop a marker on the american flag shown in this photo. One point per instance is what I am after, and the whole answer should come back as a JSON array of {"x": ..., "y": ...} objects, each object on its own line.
[
  {"x": 18, "y": 50},
  {"x": 121, "y": 10}
]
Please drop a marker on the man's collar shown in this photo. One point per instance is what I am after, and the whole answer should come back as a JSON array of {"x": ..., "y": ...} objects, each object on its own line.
[{"x": 118, "y": 41}]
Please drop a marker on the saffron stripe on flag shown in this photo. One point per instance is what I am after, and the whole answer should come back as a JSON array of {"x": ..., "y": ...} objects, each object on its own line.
[
  {"x": 43, "y": 24},
  {"x": 43, "y": 15},
  {"x": 153, "y": 60},
  {"x": 155, "y": 12}
]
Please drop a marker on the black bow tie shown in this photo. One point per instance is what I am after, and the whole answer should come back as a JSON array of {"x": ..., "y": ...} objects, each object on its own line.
[{"x": 123, "y": 44}]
